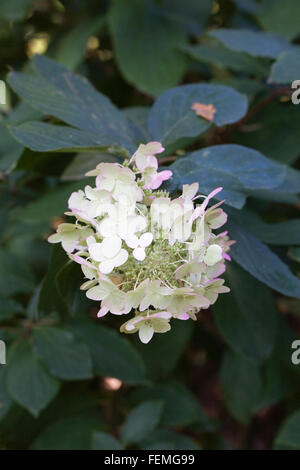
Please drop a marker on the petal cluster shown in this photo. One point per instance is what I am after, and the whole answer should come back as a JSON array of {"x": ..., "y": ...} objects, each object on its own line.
[{"x": 142, "y": 251}]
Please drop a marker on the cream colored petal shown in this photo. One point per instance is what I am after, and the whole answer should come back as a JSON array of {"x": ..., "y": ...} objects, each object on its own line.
[{"x": 145, "y": 333}]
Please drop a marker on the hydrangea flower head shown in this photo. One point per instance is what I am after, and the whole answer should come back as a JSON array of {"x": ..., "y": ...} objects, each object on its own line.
[{"x": 143, "y": 254}]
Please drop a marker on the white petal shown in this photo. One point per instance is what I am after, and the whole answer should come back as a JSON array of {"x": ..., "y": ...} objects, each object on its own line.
[
  {"x": 213, "y": 255},
  {"x": 96, "y": 293},
  {"x": 145, "y": 333},
  {"x": 111, "y": 246},
  {"x": 121, "y": 258},
  {"x": 146, "y": 239},
  {"x": 96, "y": 253},
  {"x": 55, "y": 238},
  {"x": 106, "y": 267},
  {"x": 108, "y": 227},
  {"x": 139, "y": 253},
  {"x": 132, "y": 241}
]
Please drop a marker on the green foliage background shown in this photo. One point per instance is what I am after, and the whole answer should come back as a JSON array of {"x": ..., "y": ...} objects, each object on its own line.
[{"x": 226, "y": 381}]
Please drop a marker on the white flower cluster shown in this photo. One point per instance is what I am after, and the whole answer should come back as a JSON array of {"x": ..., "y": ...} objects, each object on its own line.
[{"x": 141, "y": 250}]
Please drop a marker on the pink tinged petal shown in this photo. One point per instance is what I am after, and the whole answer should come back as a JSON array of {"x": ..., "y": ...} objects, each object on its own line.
[
  {"x": 146, "y": 333},
  {"x": 226, "y": 256},
  {"x": 129, "y": 327},
  {"x": 132, "y": 241},
  {"x": 197, "y": 212},
  {"x": 210, "y": 196},
  {"x": 82, "y": 261},
  {"x": 165, "y": 175},
  {"x": 165, "y": 315},
  {"x": 139, "y": 253},
  {"x": 146, "y": 239},
  {"x": 183, "y": 316},
  {"x": 103, "y": 311}
]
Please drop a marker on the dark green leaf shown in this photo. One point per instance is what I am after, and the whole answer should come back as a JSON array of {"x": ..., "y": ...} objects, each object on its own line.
[
  {"x": 277, "y": 19},
  {"x": 289, "y": 434},
  {"x": 172, "y": 118},
  {"x": 249, "y": 328},
  {"x": 74, "y": 433},
  {"x": 152, "y": 63},
  {"x": 256, "y": 258},
  {"x": 112, "y": 355},
  {"x": 241, "y": 386},
  {"x": 219, "y": 55},
  {"x": 28, "y": 381},
  {"x": 254, "y": 43},
  {"x": 287, "y": 68},
  {"x": 72, "y": 99},
  {"x": 65, "y": 356},
  {"x": 180, "y": 406},
  {"x": 141, "y": 421},
  {"x": 163, "y": 352},
  {"x": 105, "y": 441}
]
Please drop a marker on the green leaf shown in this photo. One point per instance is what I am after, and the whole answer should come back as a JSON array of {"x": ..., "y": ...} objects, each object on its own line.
[
  {"x": 8, "y": 308},
  {"x": 139, "y": 116},
  {"x": 28, "y": 381},
  {"x": 283, "y": 21},
  {"x": 43, "y": 137},
  {"x": 140, "y": 422},
  {"x": 5, "y": 399},
  {"x": 286, "y": 232},
  {"x": 251, "y": 168},
  {"x": 112, "y": 355},
  {"x": 14, "y": 10},
  {"x": 48, "y": 299},
  {"x": 164, "y": 351},
  {"x": 165, "y": 439},
  {"x": 223, "y": 57},
  {"x": 105, "y": 441},
  {"x": 65, "y": 356},
  {"x": 235, "y": 168},
  {"x": 241, "y": 386},
  {"x": 287, "y": 68},
  {"x": 250, "y": 329},
  {"x": 51, "y": 204},
  {"x": 72, "y": 47},
  {"x": 10, "y": 150},
  {"x": 15, "y": 275},
  {"x": 276, "y": 132},
  {"x": 180, "y": 406},
  {"x": 84, "y": 162},
  {"x": 152, "y": 63},
  {"x": 256, "y": 258},
  {"x": 56, "y": 91},
  {"x": 73, "y": 433},
  {"x": 255, "y": 43},
  {"x": 288, "y": 437},
  {"x": 286, "y": 192},
  {"x": 191, "y": 16},
  {"x": 172, "y": 118}
]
